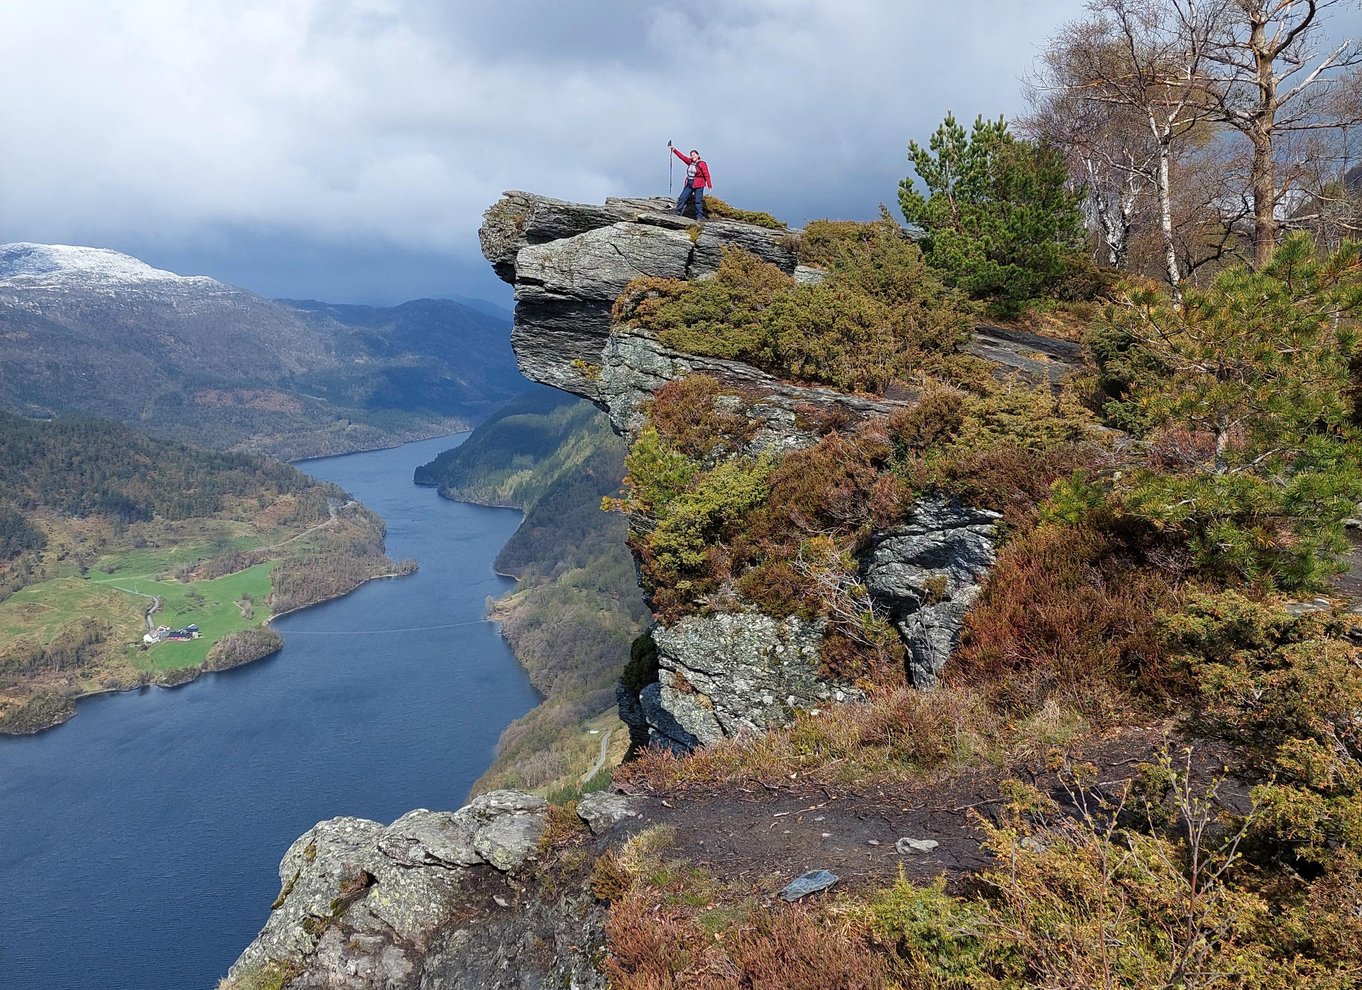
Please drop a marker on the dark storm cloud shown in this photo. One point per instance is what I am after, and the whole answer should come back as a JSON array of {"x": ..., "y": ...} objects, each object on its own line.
[{"x": 223, "y": 131}]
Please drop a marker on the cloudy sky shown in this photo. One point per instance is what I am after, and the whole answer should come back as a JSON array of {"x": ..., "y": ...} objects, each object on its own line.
[{"x": 345, "y": 149}]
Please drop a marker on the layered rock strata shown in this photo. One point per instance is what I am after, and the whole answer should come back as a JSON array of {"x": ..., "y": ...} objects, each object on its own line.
[
  {"x": 927, "y": 572},
  {"x": 726, "y": 674}
]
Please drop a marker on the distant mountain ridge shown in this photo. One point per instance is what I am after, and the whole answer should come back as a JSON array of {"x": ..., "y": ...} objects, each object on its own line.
[{"x": 90, "y": 330}]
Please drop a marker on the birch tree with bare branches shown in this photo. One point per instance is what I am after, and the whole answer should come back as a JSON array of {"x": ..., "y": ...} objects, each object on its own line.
[
  {"x": 1273, "y": 80},
  {"x": 1130, "y": 80}
]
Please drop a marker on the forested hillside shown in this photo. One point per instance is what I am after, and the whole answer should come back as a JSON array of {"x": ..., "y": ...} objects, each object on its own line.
[
  {"x": 577, "y": 607},
  {"x": 100, "y": 524},
  {"x": 98, "y": 333}
]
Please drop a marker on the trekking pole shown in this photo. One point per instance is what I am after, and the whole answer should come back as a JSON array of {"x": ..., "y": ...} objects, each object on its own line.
[{"x": 669, "y": 168}]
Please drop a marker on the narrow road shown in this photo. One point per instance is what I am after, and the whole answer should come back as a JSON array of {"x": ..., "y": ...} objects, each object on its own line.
[
  {"x": 331, "y": 512},
  {"x": 600, "y": 760},
  {"x": 151, "y": 609},
  {"x": 331, "y": 509}
]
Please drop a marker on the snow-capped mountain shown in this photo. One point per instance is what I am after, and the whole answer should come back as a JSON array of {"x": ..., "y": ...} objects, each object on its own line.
[
  {"x": 89, "y": 330},
  {"x": 24, "y": 264}
]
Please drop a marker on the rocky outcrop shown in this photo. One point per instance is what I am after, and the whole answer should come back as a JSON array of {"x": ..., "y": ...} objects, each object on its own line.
[
  {"x": 634, "y": 365},
  {"x": 1035, "y": 358},
  {"x": 434, "y": 899},
  {"x": 726, "y": 674},
  {"x": 733, "y": 673},
  {"x": 602, "y": 810},
  {"x": 927, "y": 572},
  {"x": 569, "y": 262}
]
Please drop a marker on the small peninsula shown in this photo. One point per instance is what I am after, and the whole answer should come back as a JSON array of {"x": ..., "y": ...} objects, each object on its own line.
[{"x": 126, "y": 560}]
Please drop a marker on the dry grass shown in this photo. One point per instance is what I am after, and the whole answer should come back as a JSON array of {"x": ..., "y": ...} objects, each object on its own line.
[
  {"x": 896, "y": 733},
  {"x": 1064, "y": 321},
  {"x": 562, "y": 828}
]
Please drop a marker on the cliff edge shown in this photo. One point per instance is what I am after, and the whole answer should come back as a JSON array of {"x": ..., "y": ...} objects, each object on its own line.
[{"x": 720, "y": 675}]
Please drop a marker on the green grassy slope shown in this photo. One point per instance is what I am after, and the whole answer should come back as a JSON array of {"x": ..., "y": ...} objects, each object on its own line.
[{"x": 98, "y": 523}]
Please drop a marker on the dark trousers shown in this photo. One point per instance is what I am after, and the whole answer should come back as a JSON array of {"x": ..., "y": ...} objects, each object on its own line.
[{"x": 687, "y": 194}]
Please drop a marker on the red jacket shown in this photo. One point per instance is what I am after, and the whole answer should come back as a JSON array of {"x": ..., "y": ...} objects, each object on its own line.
[{"x": 701, "y": 179}]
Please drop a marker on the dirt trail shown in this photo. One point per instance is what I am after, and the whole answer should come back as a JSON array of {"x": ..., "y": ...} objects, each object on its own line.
[
  {"x": 763, "y": 835},
  {"x": 331, "y": 509}
]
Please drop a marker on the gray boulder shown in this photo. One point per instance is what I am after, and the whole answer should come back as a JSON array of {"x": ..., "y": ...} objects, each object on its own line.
[
  {"x": 741, "y": 672},
  {"x": 927, "y": 572},
  {"x": 663, "y": 728},
  {"x": 569, "y": 262},
  {"x": 508, "y": 841},
  {"x": 360, "y": 902},
  {"x": 602, "y": 810},
  {"x": 430, "y": 838}
]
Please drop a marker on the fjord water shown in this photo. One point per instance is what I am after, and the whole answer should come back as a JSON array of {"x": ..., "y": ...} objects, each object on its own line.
[{"x": 140, "y": 842}]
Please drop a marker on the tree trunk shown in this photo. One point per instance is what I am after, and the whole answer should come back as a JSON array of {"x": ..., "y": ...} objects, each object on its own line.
[
  {"x": 1115, "y": 226},
  {"x": 1262, "y": 175},
  {"x": 1170, "y": 254}
]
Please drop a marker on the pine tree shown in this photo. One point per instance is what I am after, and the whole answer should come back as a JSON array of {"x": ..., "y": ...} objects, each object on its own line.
[
  {"x": 1242, "y": 396},
  {"x": 998, "y": 218}
]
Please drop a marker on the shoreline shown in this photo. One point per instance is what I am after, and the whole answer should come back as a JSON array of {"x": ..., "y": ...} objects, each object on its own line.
[
  {"x": 198, "y": 671},
  {"x": 295, "y": 461}
]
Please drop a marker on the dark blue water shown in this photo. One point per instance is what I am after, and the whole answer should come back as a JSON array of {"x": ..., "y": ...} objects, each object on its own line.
[{"x": 140, "y": 842}]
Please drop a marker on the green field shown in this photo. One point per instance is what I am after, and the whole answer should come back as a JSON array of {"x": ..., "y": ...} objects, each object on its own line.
[
  {"x": 42, "y": 609},
  {"x": 210, "y": 604},
  {"x": 164, "y": 560}
]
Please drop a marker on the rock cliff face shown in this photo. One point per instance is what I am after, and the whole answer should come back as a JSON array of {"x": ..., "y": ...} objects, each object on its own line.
[
  {"x": 436, "y": 899},
  {"x": 926, "y": 573},
  {"x": 722, "y": 675},
  {"x": 569, "y": 262}
]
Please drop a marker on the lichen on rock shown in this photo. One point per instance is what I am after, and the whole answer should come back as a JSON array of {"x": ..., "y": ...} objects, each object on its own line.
[
  {"x": 727, "y": 674},
  {"x": 368, "y": 905},
  {"x": 927, "y": 572},
  {"x": 737, "y": 671}
]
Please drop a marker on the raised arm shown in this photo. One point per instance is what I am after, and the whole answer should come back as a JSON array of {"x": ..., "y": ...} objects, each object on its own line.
[{"x": 684, "y": 158}]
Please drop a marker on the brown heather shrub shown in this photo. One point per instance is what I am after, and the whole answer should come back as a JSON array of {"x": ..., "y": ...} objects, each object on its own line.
[
  {"x": 777, "y": 588},
  {"x": 822, "y": 420},
  {"x": 862, "y": 649},
  {"x": 821, "y": 489},
  {"x": 654, "y": 947},
  {"x": 936, "y": 420},
  {"x": 562, "y": 827},
  {"x": 1013, "y": 480},
  {"x": 610, "y": 878},
  {"x": 688, "y": 414},
  {"x": 792, "y": 949},
  {"x": 1063, "y": 617}
]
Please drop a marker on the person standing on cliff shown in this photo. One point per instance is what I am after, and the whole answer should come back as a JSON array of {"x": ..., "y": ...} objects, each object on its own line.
[{"x": 697, "y": 181}]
